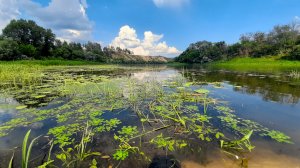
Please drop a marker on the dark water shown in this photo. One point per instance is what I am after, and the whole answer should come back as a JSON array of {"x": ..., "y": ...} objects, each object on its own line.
[{"x": 271, "y": 99}]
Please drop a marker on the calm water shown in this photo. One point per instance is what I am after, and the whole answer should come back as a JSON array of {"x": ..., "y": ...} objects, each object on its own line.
[{"x": 271, "y": 99}]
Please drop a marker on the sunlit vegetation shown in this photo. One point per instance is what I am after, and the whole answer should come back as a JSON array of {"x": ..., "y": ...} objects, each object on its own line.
[
  {"x": 295, "y": 74},
  {"x": 264, "y": 64},
  {"x": 168, "y": 116}
]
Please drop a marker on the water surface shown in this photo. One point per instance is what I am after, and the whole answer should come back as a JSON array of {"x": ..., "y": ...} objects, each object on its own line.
[{"x": 268, "y": 98}]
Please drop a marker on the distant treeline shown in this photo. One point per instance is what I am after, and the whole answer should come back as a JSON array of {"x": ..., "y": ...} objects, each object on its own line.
[
  {"x": 283, "y": 40},
  {"x": 24, "y": 39}
]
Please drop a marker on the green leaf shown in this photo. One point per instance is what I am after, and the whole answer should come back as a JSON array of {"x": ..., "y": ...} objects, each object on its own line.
[
  {"x": 21, "y": 107},
  {"x": 11, "y": 160},
  {"x": 202, "y": 91},
  {"x": 24, "y": 149}
]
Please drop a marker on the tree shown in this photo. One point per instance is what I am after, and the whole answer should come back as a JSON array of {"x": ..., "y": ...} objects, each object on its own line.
[
  {"x": 28, "y": 50},
  {"x": 204, "y": 51},
  {"x": 9, "y": 50},
  {"x": 93, "y": 47},
  {"x": 295, "y": 53},
  {"x": 93, "y": 52},
  {"x": 29, "y": 33},
  {"x": 48, "y": 44},
  {"x": 283, "y": 37}
]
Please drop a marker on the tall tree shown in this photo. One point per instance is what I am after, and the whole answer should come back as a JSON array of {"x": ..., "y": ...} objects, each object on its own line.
[{"x": 29, "y": 33}]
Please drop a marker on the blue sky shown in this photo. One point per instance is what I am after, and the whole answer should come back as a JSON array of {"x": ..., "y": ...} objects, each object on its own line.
[{"x": 153, "y": 27}]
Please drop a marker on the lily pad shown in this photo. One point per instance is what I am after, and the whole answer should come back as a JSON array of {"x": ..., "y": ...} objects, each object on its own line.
[
  {"x": 202, "y": 91},
  {"x": 39, "y": 96},
  {"x": 21, "y": 107}
]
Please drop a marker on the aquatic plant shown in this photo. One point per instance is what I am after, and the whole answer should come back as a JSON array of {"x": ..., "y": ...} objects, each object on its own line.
[
  {"x": 72, "y": 157},
  {"x": 63, "y": 134},
  {"x": 26, "y": 150},
  {"x": 294, "y": 74},
  {"x": 278, "y": 136},
  {"x": 167, "y": 143},
  {"x": 49, "y": 160},
  {"x": 94, "y": 164},
  {"x": 124, "y": 148},
  {"x": 10, "y": 164},
  {"x": 241, "y": 144}
]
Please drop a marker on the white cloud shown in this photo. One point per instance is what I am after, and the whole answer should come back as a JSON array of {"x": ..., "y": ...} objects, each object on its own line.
[
  {"x": 150, "y": 45},
  {"x": 67, "y": 18},
  {"x": 297, "y": 22},
  {"x": 170, "y": 3},
  {"x": 8, "y": 11}
]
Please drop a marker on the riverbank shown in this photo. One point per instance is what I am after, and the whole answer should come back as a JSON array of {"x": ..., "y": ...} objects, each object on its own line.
[
  {"x": 50, "y": 62},
  {"x": 258, "y": 64}
]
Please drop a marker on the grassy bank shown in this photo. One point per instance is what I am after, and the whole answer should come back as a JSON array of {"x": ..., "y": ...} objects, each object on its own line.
[
  {"x": 257, "y": 64},
  {"x": 49, "y": 62},
  {"x": 30, "y": 72},
  {"x": 26, "y": 72}
]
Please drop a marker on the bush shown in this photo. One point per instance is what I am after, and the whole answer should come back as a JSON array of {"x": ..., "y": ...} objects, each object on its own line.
[
  {"x": 295, "y": 53},
  {"x": 28, "y": 50},
  {"x": 9, "y": 50}
]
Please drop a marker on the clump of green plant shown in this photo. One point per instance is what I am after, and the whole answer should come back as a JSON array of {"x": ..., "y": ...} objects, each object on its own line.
[
  {"x": 124, "y": 136},
  {"x": 49, "y": 161},
  {"x": 128, "y": 131},
  {"x": 73, "y": 157},
  {"x": 124, "y": 148},
  {"x": 167, "y": 143},
  {"x": 241, "y": 144},
  {"x": 278, "y": 136},
  {"x": 20, "y": 75},
  {"x": 63, "y": 134},
  {"x": 26, "y": 151},
  {"x": 294, "y": 74}
]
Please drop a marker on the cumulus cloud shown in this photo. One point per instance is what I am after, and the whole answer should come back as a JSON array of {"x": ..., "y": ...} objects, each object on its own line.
[
  {"x": 170, "y": 3},
  {"x": 151, "y": 44},
  {"x": 297, "y": 22},
  {"x": 67, "y": 18},
  {"x": 8, "y": 10}
]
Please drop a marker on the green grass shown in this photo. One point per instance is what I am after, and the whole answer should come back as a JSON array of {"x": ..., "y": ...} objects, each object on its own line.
[
  {"x": 28, "y": 72},
  {"x": 266, "y": 64},
  {"x": 50, "y": 62}
]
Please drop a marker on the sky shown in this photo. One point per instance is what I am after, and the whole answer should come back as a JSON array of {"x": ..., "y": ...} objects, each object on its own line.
[{"x": 152, "y": 27}]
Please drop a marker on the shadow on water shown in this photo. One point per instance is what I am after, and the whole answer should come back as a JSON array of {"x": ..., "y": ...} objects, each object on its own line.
[{"x": 168, "y": 161}]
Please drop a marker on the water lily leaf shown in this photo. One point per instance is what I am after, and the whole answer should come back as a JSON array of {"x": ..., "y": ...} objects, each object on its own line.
[
  {"x": 39, "y": 96},
  {"x": 21, "y": 107},
  {"x": 202, "y": 91}
]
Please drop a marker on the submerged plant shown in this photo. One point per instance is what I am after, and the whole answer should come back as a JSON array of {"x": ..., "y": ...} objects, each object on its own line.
[
  {"x": 167, "y": 143},
  {"x": 278, "y": 136},
  {"x": 49, "y": 160},
  {"x": 73, "y": 157},
  {"x": 241, "y": 144}
]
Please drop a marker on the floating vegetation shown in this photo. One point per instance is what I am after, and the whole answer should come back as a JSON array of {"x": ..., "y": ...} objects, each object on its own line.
[
  {"x": 294, "y": 74},
  {"x": 278, "y": 136},
  {"x": 20, "y": 107},
  {"x": 131, "y": 114}
]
